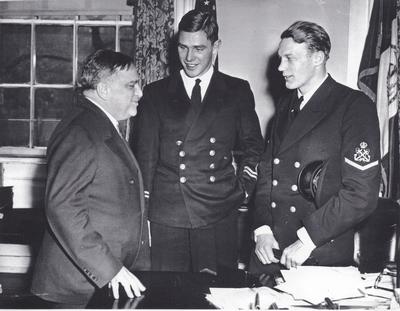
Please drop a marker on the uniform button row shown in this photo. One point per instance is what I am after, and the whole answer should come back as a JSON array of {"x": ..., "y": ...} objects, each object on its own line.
[
  {"x": 292, "y": 209},
  {"x": 183, "y": 153},
  {"x": 277, "y": 161},
  {"x": 293, "y": 187},
  {"x": 212, "y": 140},
  {"x": 183, "y": 179},
  {"x": 182, "y": 167}
]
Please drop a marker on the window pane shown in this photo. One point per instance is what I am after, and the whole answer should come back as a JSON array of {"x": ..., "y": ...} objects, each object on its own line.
[
  {"x": 14, "y": 133},
  {"x": 15, "y": 51},
  {"x": 53, "y": 103},
  {"x": 54, "y": 48},
  {"x": 92, "y": 38},
  {"x": 14, "y": 103},
  {"x": 126, "y": 40},
  {"x": 42, "y": 131}
]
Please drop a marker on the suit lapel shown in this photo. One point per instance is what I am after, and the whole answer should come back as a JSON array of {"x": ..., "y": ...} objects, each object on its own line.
[
  {"x": 121, "y": 149},
  {"x": 317, "y": 108},
  {"x": 179, "y": 102},
  {"x": 211, "y": 105}
]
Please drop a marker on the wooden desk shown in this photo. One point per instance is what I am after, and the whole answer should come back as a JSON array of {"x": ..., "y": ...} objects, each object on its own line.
[{"x": 165, "y": 290}]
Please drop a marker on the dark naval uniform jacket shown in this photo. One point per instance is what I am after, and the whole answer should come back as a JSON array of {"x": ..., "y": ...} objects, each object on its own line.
[
  {"x": 95, "y": 209},
  {"x": 338, "y": 126},
  {"x": 186, "y": 157}
]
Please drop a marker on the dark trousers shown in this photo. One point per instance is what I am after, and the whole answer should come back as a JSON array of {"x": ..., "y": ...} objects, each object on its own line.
[{"x": 195, "y": 250}]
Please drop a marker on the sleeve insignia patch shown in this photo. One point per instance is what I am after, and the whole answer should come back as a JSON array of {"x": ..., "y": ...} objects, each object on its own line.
[{"x": 362, "y": 153}]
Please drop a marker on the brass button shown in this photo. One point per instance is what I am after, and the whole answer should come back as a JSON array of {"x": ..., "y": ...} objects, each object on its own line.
[
  {"x": 273, "y": 204},
  {"x": 294, "y": 187},
  {"x": 276, "y": 161},
  {"x": 182, "y": 153},
  {"x": 182, "y": 166},
  {"x": 212, "y": 153},
  {"x": 182, "y": 179},
  {"x": 212, "y": 140},
  {"x": 212, "y": 178},
  {"x": 212, "y": 166},
  {"x": 274, "y": 182},
  {"x": 292, "y": 209},
  {"x": 178, "y": 142},
  {"x": 131, "y": 181},
  {"x": 296, "y": 164}
]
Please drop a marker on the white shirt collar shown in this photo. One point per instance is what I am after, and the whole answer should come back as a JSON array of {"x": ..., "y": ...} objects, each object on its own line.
[
  {"x": 310, "y": 93},
  {"x": 112, "y": 119},
  {"x": 189, "y": 82}
]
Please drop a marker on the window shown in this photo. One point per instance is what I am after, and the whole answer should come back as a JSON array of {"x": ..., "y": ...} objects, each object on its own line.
[{"x": 40, "y": 60}]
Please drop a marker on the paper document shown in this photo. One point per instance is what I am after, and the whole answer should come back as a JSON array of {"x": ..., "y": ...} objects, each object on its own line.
[
  {"x": 315, "y": 283},
  {"x": 243, "y": 298}
]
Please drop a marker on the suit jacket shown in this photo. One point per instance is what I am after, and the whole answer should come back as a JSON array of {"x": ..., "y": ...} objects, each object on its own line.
[
  {"x": 186, "y": 155},
  {"x": 338, "y": 126},
  {"x": 94, "y": 207}
]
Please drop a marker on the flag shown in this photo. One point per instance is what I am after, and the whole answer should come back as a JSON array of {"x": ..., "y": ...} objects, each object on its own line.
[
  {"x": 378, "y": 78},
  {"x": 210, "y": 6},
  {"x": 207, "y": 5}
]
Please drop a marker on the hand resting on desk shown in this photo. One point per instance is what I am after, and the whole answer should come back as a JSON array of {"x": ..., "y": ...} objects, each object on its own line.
[{"x": 133, "y": 287}]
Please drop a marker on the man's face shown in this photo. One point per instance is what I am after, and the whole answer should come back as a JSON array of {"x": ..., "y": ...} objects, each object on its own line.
[
  {"x": 298, "y": 65},
  {"x": 196, "y": 52},
  {"x": 124, "y": 93}
]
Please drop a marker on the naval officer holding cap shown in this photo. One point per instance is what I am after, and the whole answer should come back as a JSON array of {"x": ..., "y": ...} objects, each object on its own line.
[{"x": 320, "y": 174}]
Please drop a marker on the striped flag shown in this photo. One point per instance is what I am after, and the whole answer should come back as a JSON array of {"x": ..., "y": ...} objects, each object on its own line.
[
  {"x": 207, "y": 5},
  {"x": 378, "y": 78},
  {"x": 211, "y": 6}
]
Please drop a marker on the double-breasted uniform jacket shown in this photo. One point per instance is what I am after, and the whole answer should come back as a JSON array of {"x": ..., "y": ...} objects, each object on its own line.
[
  {"x": 94, "y": 207},
  {"x": 338, "y": 126},
  {"x": 186, "y": 156}
]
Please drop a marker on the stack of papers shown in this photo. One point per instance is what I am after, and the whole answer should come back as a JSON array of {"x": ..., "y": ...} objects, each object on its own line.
[
  {"x": 315, "y": 283},
  {"x": 244, "y": 298}
]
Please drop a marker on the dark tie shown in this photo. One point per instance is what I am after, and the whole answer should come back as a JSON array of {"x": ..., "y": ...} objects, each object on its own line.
[
  {"x": 294, "y": 109},
  {"x": 196, "y": 95}
]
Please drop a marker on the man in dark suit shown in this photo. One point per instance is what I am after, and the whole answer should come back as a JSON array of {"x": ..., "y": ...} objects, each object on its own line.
[
  {"x": 188, "y": 126},
  {"x": 320, "y": 122},
  {"x": 97, "y": 229}
]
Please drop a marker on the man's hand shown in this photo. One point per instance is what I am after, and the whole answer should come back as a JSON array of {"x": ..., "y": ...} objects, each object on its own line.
[
  {"x": 133, "y": 287},
  {"x": 264, "y": 245},
  {"x": 295, "y": 254}
]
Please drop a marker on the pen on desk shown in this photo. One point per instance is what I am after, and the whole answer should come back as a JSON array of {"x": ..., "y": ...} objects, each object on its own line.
[
  {"x": 330, "y": 305},
  {"x": 257, "y": 302}
]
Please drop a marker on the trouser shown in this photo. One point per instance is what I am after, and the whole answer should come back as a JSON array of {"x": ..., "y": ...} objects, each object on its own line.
[{"x": 208, "y": 248}]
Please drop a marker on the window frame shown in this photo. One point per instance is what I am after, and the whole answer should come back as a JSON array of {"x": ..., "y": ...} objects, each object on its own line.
[{"x": 76, "y": 22}]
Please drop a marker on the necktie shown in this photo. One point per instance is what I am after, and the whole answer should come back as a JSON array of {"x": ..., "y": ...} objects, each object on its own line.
[
  {"x": 294, "y": 109},
  {"x": 196, "y": 94}
]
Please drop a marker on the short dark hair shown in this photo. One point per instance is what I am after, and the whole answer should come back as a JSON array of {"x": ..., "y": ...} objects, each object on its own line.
[
  {"x": 196, "y": 20},
  {"x": 316, "y": 38},
  {"x": 100, "y": 64}
]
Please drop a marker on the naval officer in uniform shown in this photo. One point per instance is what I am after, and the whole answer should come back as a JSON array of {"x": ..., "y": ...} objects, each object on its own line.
[
  {"x": 188, "y": 126},
  {"x": 322, "y": 125}
]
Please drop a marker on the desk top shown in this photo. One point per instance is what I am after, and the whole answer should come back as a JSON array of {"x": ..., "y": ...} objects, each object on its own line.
[{"x": 165, "y": 290}]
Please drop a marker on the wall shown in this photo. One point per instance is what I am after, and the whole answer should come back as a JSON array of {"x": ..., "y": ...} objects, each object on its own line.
[{"x": 250, "y": 32}]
